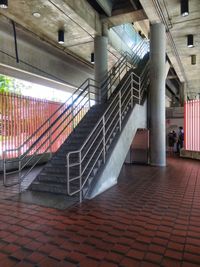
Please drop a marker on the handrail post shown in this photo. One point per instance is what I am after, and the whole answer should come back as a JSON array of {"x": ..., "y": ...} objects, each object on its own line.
[
  {"x": 73, "y": 123},
  {"x": 120, "y": 111},
  {"x": 131, "y": 90},
  {"x": 119, "y": 74},
  {"x": 80, "y": 174},
  {"x": 126, "y": 58},
  {"x": 4, "y": 168},
  {"x": 50, "y": 138},
  {"x": 89, "y": 96},
  {"x": 139, "y": 91},
  {"x": 67, "y": 173},
  {"x": 19, "y": 175},
  {"x": 104, "y": 140}
]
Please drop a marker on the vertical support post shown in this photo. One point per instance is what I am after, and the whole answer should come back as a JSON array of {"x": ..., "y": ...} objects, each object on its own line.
[
  {"x": 73, "y": 123},
  {"x": 119, "y": 73},
  {"x": 4, "y": 168},
  {"x": 120, "y": 111},
  {"x": 50, "y": 138},
  {"x": 89, "y": 96},
  {"x": 67, "y": 173},
  {"x": 80, "y": 175},
  {"x": 19, "y": 174},
  {"x": 131, "y": 90},
  {"x": 139, "y": 86},
  {"x": 157, "y": 95},
  {"x": 104, "y": 140}
]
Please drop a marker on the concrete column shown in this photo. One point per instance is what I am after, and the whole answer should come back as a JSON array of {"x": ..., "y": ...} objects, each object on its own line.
[
  {"x": 183, "y": 95},
  {"x": 101, "y": 62},
  {"x": 157, "y": 95}
]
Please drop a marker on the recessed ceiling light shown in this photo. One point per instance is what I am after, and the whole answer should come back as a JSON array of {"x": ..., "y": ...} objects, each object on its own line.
[
  {"x": 190, "y": 41},
  {"x": 193, "y": 59},
  {"x": 3, "y": 3},
  {"x": 184, "y": 8},
  {"x": 61, "y": 36},
  {"x": 36, "y": 14},
  {"x": 92, "y": 58}
]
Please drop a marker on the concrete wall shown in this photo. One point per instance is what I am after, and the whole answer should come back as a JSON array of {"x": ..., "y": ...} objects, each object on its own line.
[
  {"x": 108, "y": 176},
  {"x": 39, "y": 58}
]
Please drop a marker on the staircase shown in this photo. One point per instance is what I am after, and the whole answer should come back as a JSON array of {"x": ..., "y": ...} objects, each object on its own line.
[
  {"x": 99, "y": 145},
  {"x": 72, "y": 168},
  {"x": 53, "y": 176}
]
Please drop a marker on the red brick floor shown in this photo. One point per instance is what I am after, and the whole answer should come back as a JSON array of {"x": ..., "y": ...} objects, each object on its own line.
[{"x": 151, "y": 218}]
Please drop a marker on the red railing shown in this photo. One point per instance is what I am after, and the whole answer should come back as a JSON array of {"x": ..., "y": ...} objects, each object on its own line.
[
  {"x": 192, "y": 125},
  {"x": 20, "y": 117}
]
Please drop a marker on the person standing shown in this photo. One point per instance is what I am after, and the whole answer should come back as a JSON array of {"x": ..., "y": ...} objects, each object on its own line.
[
  {"x": 180, "y": 139},
  {"x": 175, "y": 140},
  {"x": 171, "y": 142}
]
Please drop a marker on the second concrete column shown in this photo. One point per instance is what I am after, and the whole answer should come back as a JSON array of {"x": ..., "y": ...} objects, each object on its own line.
[{"x": 101, "y": 63}]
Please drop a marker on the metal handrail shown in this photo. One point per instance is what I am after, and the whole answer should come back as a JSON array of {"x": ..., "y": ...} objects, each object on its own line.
[
  {"x": 127, "y": 61},
  {"x": 84, "y": 92},
  {"x": 105, "y": 124},
  {"x": 47, "y": 132}
]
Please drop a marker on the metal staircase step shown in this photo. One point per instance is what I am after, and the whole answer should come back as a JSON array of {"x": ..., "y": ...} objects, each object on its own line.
[
  {"x": 52, "y": 179},
  {"x": 49, "y": 187}
]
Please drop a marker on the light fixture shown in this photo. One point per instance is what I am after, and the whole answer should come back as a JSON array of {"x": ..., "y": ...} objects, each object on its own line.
[
  {"x": 61, "y": 37},
  {"x": 92, "y": 57},
  {"x": 184, "y": 8},
  {"x": 3, "y": 3},
  {"x": 193, "y": 59},
  {"x": 190, "y": 40},
  {"x": 36, "y": 14}
]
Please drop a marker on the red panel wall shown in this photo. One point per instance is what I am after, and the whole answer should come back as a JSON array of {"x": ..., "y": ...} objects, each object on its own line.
[
  {"x": 192, "y": 125},
  {"x": 21, "y": 116}
]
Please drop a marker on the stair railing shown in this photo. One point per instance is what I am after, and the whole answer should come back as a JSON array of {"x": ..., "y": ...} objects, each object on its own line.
[
  {"x": 35, "y": 148},
  {"x": 131, "y": 91},
  {"x": 64, "y": 118},
  {"x": 119, "y": 69}
]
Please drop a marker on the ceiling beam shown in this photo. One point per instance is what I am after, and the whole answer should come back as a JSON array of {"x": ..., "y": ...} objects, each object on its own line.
[
  {"x": 81, "y": 12},
  {"x": 127, "y": 17},
  {"x": 106, "y": 5}
]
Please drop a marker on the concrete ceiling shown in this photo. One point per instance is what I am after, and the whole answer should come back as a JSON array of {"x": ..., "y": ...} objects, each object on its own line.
[
  {"x": 168, "y": 12},
  {"x": 81, "y": 22}
]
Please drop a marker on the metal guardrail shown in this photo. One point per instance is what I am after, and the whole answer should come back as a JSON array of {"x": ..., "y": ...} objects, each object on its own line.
[
  {"x": 68, "y": 113},
  {"x": 120, "y": 68},
  {"x": 109, "y": 124}
]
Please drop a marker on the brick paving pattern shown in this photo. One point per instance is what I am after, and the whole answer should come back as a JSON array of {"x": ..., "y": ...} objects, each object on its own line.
[{"x": 151, "y": 218}]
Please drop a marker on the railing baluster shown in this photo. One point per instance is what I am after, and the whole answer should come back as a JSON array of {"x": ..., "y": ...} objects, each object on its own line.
[
  {"x": 104, "y": 140},
  {"x": 80, "y": 174},
  {"x": 120, "y": 111},
  {"x": 131, "y": 90},
  {"x": 139, "y": 91}
]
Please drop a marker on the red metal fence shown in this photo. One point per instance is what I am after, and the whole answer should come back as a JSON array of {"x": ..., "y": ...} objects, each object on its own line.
[
  {"x": 20, "y": 117},
  {"x": 192, "y": 125}
]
